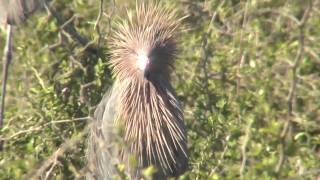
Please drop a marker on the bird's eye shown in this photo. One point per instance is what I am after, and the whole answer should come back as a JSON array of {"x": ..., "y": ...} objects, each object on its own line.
[
  {"x": 152, "y": 57},
  {"x": 162, "y": 45}
]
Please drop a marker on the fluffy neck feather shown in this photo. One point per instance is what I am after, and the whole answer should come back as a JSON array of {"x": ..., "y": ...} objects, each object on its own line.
[{"x": 153, "y": 123}]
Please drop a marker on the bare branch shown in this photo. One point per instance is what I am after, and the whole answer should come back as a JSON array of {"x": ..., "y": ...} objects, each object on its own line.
[
  {"x": 292, "y": 92},
  {"x": 69, "y": 29},
  {"x": 7, "y": 58},
  {"x": 50, "y": 162}
]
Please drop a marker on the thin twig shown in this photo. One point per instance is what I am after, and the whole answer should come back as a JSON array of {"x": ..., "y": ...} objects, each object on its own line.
[
  {"x": 240, "y": 65},
  {"x": 43, "y": 126},
  {"x": 220, "y": 161},
  {"x": 55, "y": 162},
  {"x": 68, "y": 22},
  {"x": 97, "y": 23},
  {"x": 69, "y": 29},
  {"x": 244, "y": 148},
  {"x": 242, "y": 57}
]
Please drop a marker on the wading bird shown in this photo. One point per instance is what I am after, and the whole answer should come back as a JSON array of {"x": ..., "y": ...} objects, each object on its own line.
[{"x": 139, "y": 122}]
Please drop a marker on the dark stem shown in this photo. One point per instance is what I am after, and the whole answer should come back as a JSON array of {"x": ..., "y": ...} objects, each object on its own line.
[
  {"x": 6, "y": 62},
  {"x": 7, "y": 57}
]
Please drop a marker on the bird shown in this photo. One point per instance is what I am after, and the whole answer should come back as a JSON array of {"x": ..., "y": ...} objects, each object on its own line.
[{"x": 139, "y": 121}]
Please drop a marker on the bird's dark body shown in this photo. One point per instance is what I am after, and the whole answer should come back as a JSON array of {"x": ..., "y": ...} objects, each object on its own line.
[
  {"x": 107, "y": 147},
  {"x": 139, "y": 122}
]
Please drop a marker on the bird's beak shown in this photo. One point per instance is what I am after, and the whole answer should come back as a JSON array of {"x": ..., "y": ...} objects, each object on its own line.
[{"x": 143, "y": 62}]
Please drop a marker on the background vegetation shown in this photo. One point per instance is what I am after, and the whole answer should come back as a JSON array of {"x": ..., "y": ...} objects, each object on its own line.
[{"x": 248, "y": 76}]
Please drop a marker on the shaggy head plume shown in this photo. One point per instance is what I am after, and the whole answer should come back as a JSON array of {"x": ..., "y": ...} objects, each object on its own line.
[
  {"x": 142, "y": 100},
  {"x": 145, "y": 44}
]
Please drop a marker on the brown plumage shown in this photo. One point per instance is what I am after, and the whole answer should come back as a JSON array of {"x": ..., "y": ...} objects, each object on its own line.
[{"x": 141, "y": 110}]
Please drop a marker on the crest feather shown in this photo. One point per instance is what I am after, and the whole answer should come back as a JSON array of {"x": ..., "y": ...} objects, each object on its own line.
[{"x": 146, "y": 28}]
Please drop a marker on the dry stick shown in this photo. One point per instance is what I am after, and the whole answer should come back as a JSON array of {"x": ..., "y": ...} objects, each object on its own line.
[
  {"x": 292, "y": 92},
  {"x": 7, "y": 58},
  {"x": 55, "y": 162},
  {"x": 241, "y": 60},
  {"x": 240, "y": 64},
  {"x": 220, "y": 161},
  {"x": 244, "y": 148}
]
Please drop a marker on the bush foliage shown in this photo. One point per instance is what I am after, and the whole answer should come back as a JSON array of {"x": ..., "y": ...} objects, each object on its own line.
[{"x": 248, "y": 76}]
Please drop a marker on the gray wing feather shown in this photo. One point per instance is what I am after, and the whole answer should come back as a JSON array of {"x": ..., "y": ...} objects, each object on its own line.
[{"x": 102, "y": 150}]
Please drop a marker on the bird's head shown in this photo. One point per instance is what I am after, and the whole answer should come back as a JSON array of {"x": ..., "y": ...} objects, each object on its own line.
[{"x": 144, "y": 46}]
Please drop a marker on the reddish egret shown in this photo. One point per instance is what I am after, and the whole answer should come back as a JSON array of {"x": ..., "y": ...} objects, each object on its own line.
[{"x": 140, "y": 118}]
